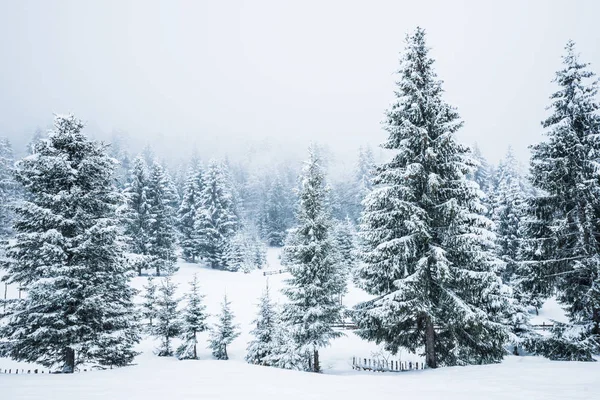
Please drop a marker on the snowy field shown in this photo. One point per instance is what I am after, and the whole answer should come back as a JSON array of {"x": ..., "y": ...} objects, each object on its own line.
[{"x": 158, "y": 378}]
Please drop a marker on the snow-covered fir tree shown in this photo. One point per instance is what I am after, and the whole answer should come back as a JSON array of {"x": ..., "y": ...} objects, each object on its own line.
[
  {"x": 118, "y": 150},
  {"x": 224, "y": 332},
  {"x": 216, "y": 221},
  {"x": 244, "y": 252},
  {"x": 149, "y": 303},
  {"x": 262, "y": 347},
  {"x": 508, "y": 209},
  {"x": 193, "y": 321},
  {"x": 273, "y": 343},
  {"x": 136, "y": 215},
  {"x": 37, "y": 136},
  {"x": 363, "y": 179},
  {"x": 286, "y": 354},
  {"x": 168, "y": 324},
  {"x": 186, "y": 215},
  {"x": 344, "y": 236},
  {"x": 161, "y": 232},
  {"x": 9, "y": 192},
  {"x": 427, "y": 250},
  {"x": 564, "y": 227},
  {"x": 67, "y": 252},
  {"x": 315, "y": 286},
  {"x": 276, "y": 218},
  {"x": 483, "y": 173}
]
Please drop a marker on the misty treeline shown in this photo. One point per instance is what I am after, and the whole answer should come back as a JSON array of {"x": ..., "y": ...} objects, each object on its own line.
[{"x": 457, "y": 254}]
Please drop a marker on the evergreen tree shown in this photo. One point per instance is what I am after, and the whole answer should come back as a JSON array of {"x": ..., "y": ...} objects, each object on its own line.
[
  {"x": 161, "y": 237},
  {"x": 8, "y": 188},
  {"x": 37, "y": 136},
  {"x": 244, "y": 251},
  {"x": 237, "y": 253},
  {"x": 508, "y": 210},
  {"x": 563, "y": 229},
  {"x": 315, "y": 286},
  {"x": 149, "y": 304},
  {"x": 483, "y": 173},
  {"x": 186, "y": 214},
  {"x": 168, "y": 324},
  {"x": 215, "y": 221},
  {"x": 224, "y": 332},
  {"x": 285, "y": 353},
  {"x": 276, "y": 216},
  {"x": 79, "y": 305},
  {"x": 344, "y": 236},
  {"x": 135, "y": 214},
  {"x": 363, "y": 179},
  {"x": 193, "y": 322},
  {"x": 428, "y": 252},
  {"x": 262, "y": 347}
]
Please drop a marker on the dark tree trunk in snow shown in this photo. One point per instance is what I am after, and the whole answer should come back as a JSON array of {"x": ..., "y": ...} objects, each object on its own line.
[
  {"x": 69, "y": 360},
  {"x": 430, "y": 358},
  {"x": 316, "y": 366},
  {"x": 596, "y": 319}
]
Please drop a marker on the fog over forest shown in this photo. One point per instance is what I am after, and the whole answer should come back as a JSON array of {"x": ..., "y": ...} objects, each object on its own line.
[{"x": 223, "y": 77}]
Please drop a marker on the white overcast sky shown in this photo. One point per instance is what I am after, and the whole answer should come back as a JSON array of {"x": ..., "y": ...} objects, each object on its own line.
[{"x": 217, "y": 74}]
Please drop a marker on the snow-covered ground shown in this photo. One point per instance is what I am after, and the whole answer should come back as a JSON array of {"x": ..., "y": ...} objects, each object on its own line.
[{"x": 156, "y": 378}]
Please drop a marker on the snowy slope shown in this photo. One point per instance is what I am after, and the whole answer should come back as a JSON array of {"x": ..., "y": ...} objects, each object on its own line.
[
  {"x": 516, "y": 378},
  {"x": 155, "y": 377}
]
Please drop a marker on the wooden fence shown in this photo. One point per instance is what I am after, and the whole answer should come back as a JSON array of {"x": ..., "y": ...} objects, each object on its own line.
[
  {"x": 352, "y": 326},
  {"x": 21, "y": 371},
  {"x": 275, "y": 272},
  {"x": 378, "y": 365}
]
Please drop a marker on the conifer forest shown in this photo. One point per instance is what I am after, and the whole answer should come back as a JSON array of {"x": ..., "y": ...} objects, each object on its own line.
[{"x": 436, "y": 254}]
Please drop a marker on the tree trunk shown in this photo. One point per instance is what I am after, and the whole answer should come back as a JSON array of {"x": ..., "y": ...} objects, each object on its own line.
[
  {"x": 430, "y": 358},
  {"x": 157, "y": 270},
  {"x": 69, "y": 361},
  {"x": 596, "y": 319},
  {"x": 195, "y": 341},
  {"x": 316, "y": 366},
  {"x": 225, "y": 352}
]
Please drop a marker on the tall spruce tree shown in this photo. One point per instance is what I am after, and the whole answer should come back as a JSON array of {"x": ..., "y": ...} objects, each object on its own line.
[
  {"x": 186, "y": 215},
  {"x": 193, "y": 322},
  {"x": 276, "y": 219},
  {"x": 344, "y": 236},
  {"x": 224, "y": 332},
  {"x": 135, "y": 214},
  {"x": 9, "y": 192},
  {"x": 315, "y": 286},
  {"x": 428, "y": 252},
  {"x": 508, "y": 210},
  {"x": 363, "y": 180},
  {"x": 66, "y": 253},
  {"x": 216, "y": 221},
  {"x": 483, "y": 173},
  {"x": 564, "y": 227},
  {"x": 161, "y": 233}
]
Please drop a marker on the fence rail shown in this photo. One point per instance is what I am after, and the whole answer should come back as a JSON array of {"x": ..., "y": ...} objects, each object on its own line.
[
  {"x": 353, "y": 326},
  {"x": 22, "y": 371},
  {"x": 275, "y": 272},
  {"x": 379, "y": 365}
]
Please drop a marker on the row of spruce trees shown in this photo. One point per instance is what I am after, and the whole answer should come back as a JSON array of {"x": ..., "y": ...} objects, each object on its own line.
[
  {"x": 443, "y": 281},
  {"x": 455, "y": 255}
]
